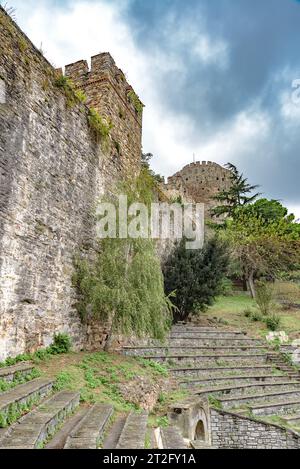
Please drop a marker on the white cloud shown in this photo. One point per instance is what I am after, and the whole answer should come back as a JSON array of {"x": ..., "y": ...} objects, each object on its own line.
[
  {"x": 211, "y": 52},
  {"x": 237, "y": 139},
  {"x": 295, "y": 209},
  {"x": 290, "y": 109}
]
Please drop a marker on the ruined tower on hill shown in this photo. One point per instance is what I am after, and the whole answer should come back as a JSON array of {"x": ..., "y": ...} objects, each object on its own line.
[{"x": 200, "y": 182}]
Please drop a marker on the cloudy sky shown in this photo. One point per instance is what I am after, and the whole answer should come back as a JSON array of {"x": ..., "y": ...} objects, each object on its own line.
[{"x": 216, "y": 76}]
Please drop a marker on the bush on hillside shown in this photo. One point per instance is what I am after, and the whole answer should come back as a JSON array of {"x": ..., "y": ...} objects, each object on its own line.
[
  {"x": 273, "y": 322},
  {"x": 61, "y": 344},
  {"x": 264, "y": 297}
]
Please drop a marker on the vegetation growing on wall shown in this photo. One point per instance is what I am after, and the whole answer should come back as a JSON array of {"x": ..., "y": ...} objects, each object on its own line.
[
  {"x": 124, "y": 285},
  {"x": 135, "y": 100},
  {"x": 99, "y": 125},
  {"x": 61, "y": 344},
  {"x": 73, "y": 96}
]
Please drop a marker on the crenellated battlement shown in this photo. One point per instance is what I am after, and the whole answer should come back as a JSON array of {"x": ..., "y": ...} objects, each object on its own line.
[
  {"x": 104, "y": 69},
  {"x": 108, "y": 91}
]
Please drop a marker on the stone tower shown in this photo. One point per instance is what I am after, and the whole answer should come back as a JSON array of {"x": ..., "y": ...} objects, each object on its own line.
[
  {"x": 200, "y": 182},
  {"x": 108, "y": 91}
]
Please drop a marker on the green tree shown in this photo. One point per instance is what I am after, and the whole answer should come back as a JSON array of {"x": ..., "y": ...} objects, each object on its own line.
[
  {"x": 259, "y": 246},
  {"x": 271, "y": 210},
  {"x": 240, "y": 193},
  {"x": 146, "y": 158},
  {"x": 195, "y": 276},
  {"x": 123, "y": 285}
]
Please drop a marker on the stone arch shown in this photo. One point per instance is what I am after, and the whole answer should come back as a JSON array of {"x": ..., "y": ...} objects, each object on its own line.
[
  {"x": 192, "y": 417},
  {"x": 201, "y": 424},
  {"x": 200, "y": 434}
]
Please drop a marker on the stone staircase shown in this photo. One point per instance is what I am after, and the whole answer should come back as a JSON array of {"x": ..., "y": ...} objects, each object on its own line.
[
  {"x": 234, "y": 372},
  {"x": 33, "y": 416}
]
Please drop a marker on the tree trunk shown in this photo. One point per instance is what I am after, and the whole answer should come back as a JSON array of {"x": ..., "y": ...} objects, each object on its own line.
[
  {"x": 251, "y": 284},
  {"x": 109, "y": 344}
]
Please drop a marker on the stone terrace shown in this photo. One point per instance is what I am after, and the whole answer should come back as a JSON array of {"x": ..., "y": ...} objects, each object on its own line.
[
  {"x": 240, "y": 377},
  {"x": 247, "y": 389},
  {"x": 33, "y": 416}
]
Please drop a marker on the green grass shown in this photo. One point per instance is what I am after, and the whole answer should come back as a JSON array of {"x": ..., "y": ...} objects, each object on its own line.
[
  {"x": 277, "y": 420},
  {"x": 99, "y": 376},
  {"x": 231, "y": 310},
  {"x": 158, "y": 418},
  {"x": 19, "y": 378}
]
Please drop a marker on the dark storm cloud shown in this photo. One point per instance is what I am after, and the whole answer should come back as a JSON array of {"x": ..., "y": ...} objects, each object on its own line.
[{"x": 262, "y": 37}]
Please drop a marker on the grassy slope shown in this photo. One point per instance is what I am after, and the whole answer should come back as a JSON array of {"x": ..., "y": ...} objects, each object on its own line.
[
  {"x": 231, "y": 309},
  {"x": 98, "y": 377}
]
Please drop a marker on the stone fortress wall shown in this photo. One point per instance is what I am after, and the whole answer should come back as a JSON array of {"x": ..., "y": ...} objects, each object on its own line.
[{"x": 52, "y": 173}]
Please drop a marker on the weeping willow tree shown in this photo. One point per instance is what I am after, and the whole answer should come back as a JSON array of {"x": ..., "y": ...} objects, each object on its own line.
[{"x": 124, "y": 285}]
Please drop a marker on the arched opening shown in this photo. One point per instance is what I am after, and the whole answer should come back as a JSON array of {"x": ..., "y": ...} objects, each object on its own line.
[{"x": 200, "y": 431}]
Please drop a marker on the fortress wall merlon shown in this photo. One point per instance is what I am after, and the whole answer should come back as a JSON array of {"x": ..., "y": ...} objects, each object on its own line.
[
  {"x": 77, "y": 71},
  {"x": 101, "y": 63}
]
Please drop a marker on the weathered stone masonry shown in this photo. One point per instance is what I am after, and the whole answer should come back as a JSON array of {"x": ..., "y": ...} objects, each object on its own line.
[
  {"x": 109, "y": 93},
  {"x": 232, "y": 431},
  {"x": 200, "y": 182},
  {"x": 52, "y": 172}
]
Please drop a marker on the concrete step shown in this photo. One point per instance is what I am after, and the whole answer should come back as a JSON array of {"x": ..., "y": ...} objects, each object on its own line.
[
  {"x": 191, "y": 350},
  {"x": 276, "y": 407},
  {"x": 217, "y": 330},
  {"x": 113, "y": 436},
  {"x": 258, "y": 399},
  {"x": 293, "y": 419},
  {"x": 89, "y": 431},
  {"x": 33, "y": 430},
  {"x": 249, "y": 389},
  {"x": 276, "y": 359},
  {"x": 15, "y": 402},
  {"x": 10, "y": 373},
  {"x": 235, "y": 380},
  {"x": 134, "y": 432},
  {"x": 171, "y": 438},
  {"x": 60, "y": 438},
  {"x": 198, "y": 444},
  {"x": 207, "y": 335},
  {"x": 215, "y": 359},
  {"x": 217, "y": 371},
  {"x": 210, "y": 342}
]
